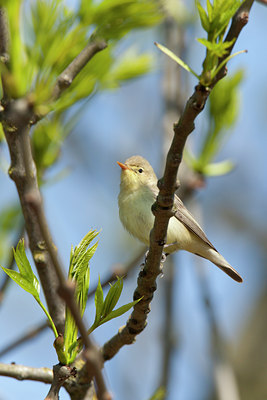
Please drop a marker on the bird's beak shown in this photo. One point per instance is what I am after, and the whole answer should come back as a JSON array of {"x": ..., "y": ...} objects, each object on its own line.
[{"x": 123, "y": 166}]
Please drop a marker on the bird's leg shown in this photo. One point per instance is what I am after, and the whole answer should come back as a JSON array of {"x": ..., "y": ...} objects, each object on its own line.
[
  {"x": 167, "y": 246},
  {"x": 163, "y": 256}
]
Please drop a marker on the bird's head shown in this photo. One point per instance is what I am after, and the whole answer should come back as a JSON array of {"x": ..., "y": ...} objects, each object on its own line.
[{"x": 137, "y": 172}]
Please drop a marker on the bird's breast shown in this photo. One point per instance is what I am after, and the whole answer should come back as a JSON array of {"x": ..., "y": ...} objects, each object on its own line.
[{"x": 135, "y": 213}]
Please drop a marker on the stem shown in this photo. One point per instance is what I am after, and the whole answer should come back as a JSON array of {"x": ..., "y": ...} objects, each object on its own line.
[{"x": 48, "y": 316}]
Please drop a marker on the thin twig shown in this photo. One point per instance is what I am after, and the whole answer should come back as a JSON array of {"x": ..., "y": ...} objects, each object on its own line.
[
  {"x": 4, "y": 37},
  {"x": 163, "y": 211},
  {"x": 66, "y": 78},
  {"x": 22, "y": 372}
]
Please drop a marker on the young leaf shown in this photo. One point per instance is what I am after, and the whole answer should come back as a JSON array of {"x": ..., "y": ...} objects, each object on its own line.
[
  {"x": 25, "y": 278},
  {"x": 119, "y": 311},
  {"x": 203, "y": 17},
  {"x": 99, "y": 302},
  {"x": 79, "y": 271},
  {"x": 170, "y": 54},
  {"x": 112, "y": 297},
  {"x": 217, "y": 169}
]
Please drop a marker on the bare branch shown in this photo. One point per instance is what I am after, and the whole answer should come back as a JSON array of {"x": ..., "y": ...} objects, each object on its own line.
[
  {"x": 21, "y": 373},
  {"x": 4, "y": 37},
  {"x": 60, "y": 374},
  {"x": 163, "y": 211},
  {"x": 23, "y": 171},
  {"x": 66, "y": 78}
]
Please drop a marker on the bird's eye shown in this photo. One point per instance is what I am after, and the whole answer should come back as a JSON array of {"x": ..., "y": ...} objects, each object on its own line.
[{"x": 140, "y": 170}]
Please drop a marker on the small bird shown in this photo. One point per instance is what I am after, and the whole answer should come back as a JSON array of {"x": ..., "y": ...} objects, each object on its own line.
[{"x": 138, "y": 191}]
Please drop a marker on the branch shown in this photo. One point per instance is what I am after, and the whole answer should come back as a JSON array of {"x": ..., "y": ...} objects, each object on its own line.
[
  {"x": 66, "y": 78},
  {"x": 60, "y": 374},
  {"x": 163, "y": 211},
  {"x": 21, "y": 373},
  {"x": 4, "y": 37},
  {"x": 23, "y": 172}
]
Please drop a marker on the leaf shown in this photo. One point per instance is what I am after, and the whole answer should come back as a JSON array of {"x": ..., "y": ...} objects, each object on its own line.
[
  {"x": 159, "y": 394},
  {"x": 219, "y": 168},
  {"x": 203, "y": 17},
  {"x": 25, "y": 278},
  {"x": 99, "y": 302},
  {"x": 117, "y": 313},
  {"x": 79, "y": 272},
  {"x": 112, "y": 297},
  {"x": 170, "y": 54}
]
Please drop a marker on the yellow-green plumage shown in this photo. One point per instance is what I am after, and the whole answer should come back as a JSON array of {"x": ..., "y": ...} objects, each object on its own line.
[{"x": 138, "y": 191}]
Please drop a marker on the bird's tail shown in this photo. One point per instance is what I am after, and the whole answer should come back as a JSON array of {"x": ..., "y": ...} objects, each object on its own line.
[
  {"x": 229, "y": 270},
  {"x": 218, "y": 260}
]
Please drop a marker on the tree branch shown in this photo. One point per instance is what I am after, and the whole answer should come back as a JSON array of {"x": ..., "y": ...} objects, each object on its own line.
[
  {"x": 163, "y": 211},
  {"x": 23, "y": 172},
  {"x": 4, "y": 37},
  {"x": 66, "y": 78},
  {"x": 60, "y": 374},
  {"x": 21, "y": 373}
]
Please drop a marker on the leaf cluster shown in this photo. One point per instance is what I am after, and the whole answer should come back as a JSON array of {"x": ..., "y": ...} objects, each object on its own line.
[
  {"x": 67, "y": 346},
  {"x": 46, "y": 35},
  {"x": 79, "y": 272},
  {"x": 215, "y": 22},
  {"x": 105, "y": 308}
]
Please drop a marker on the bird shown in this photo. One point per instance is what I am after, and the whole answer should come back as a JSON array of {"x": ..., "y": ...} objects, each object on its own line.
[{"x": 138, "y": 192}]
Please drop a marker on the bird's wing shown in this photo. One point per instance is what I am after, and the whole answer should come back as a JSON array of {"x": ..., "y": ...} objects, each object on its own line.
[{"x": 184, "y": 216}]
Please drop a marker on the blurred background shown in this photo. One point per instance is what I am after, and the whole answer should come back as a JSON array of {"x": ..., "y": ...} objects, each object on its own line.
[{"x": 206, "y": 334}]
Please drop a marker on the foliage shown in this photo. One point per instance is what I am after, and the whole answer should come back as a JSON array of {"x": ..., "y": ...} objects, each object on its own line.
[
  {"x": 26, "y": 279},
  {"x": 105, "y": 308},
  {"x": 222, "y": 114},
  {"x": 214, "y": 22},
  {"x": 79, "y": 272},
  {"x": 38, "y": 55},
  {"x": 68, "y": 346}
]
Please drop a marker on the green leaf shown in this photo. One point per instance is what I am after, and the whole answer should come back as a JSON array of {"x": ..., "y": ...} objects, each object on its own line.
[
  {"x": 112, "y": 297},
  {"x": 118, "y": 312},
  {"x": 79, "y": 272},
  {"x": 203, "y": 17},
  {"x": 25, "y": 278},
  {"x": 99, "y": 302},
  {"x": 219, "y": 168},
  {"x": 170, "y": 54},
  {"x": 217, "y": 49},
  {"x": 159, "y": 394}
]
